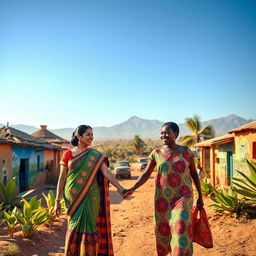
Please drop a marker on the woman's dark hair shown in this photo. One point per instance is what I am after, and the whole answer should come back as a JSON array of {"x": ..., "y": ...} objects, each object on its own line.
[
  {"x": 81, "y": 129},
  {"x": 175, "y": 128}
]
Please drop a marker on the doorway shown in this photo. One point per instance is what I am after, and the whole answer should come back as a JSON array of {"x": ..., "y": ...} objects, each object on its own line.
[
  {"x": 229, "y": 167},
  {"x": 23, "y": 174}
]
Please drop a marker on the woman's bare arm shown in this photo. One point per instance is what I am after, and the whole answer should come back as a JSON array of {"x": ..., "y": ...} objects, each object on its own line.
[
  {"x": 61, "y": 181},
  {"x": 108, "y": 174},
  {"x": 60, "y": 187},
  {"x": 145, "y": 175},
  {"x": 142, "y": 178},
  {"x": 194, "y": 175}
]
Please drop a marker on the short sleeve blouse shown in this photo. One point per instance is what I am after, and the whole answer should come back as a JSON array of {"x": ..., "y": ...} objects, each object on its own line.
[{"x": 66, "y": 157}]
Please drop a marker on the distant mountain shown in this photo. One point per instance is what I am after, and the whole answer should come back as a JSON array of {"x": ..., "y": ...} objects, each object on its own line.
[
  {"x": 143, "y": 127},
  {"x": 221, "y": 125},
  {"x": 126, "y": 130}
]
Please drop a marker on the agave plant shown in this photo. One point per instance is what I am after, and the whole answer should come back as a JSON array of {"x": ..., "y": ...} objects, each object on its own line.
[
  {"x": 227, "y": 201},
  {"x": 33, "y": 215},
  {"x": 10, "y": 220},
  {"x": 247, "y": 185},
  {"x": 207, "y": 188},
  {"x": 8, "y": 195},
  {"x": 50, "y": 201}
]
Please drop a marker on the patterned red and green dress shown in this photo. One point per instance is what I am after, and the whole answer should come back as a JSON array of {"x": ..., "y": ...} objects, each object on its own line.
[
  {"x": 86, "y": 197},
  {"x": 173, "y": 202}
]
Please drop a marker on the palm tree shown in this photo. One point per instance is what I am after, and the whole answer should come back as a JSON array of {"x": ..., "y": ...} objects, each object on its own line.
[
  {"x": 199, "y": 133},
  {"x": 138, "y": 144}
]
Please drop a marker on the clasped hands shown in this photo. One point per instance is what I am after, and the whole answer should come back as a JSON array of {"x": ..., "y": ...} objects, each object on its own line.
[{"x": 125, "y": 193}]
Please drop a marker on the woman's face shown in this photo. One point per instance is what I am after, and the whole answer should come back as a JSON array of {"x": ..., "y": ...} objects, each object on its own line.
[
  {"x": 168, "y": 136},
  {"x": 87, "y": 138}
]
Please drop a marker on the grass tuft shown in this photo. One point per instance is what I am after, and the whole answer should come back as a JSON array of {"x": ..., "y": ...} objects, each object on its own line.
[{"x": 12, "y": 250}]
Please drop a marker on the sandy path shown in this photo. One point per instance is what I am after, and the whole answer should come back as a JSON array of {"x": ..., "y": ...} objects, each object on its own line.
[{"x": 133, "y": 230}]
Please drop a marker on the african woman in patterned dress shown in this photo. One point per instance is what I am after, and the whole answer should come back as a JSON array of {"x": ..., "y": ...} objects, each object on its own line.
[
  {"x": 84, "y": 177},
  {"x": 173, "y": 193}
]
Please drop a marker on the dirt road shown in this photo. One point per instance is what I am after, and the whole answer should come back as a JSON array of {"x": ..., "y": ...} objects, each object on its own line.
[{"x": 133, "y": 230}]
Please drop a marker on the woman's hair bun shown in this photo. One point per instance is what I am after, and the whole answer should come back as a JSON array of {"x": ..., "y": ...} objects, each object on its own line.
[
  {"x": 74, "y": 140},
  {"x": 81, "y": 129}
]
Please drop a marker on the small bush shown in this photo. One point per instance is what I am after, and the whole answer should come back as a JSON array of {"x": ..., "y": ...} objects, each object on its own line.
[
  {"x": 246, "y": 186},
  {"x": 50, "y": 202},
  {"x": 32, "y": 216},
  {"x": 9, "y": 197},
  {"x": 207, "y": 188},
  {"x": 12, "y": 250},
  {"x": 227, "y": 202},
  {"x": 10, "y": 220}
]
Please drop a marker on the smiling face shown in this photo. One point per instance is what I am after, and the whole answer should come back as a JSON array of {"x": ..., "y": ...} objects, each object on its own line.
[
  {"x": 168, "y": 136},
  {"x": 87, "y": 138}
]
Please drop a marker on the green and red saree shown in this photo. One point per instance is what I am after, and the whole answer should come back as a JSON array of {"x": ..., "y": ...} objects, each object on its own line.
[{"x": 86, "y": 196}]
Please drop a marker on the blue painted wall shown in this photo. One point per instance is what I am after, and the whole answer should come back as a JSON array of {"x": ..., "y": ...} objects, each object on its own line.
[{"x": 31, "y": 153}]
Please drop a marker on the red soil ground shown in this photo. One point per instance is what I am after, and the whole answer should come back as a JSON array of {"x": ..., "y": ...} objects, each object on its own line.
[{"x": 133, "y": 230}]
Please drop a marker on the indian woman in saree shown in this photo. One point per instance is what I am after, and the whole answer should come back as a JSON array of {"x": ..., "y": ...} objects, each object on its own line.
[{"x": 84, "y": 177}]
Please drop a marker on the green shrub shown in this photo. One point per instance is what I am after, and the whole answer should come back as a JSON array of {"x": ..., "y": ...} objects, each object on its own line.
[
  {"x": 10, "y": 220},
  {"x": 9, "y": 197},
  {"x": 207, "y": 188},
  {"x": 50, "y": 202},
  {"x": 33, "y": 215},
  {"x": 227, "y": 202},
  {"x": 246, "y": 186}
]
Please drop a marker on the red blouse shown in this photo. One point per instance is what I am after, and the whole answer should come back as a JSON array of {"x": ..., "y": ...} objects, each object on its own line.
[{"x": 67, "y": 156}]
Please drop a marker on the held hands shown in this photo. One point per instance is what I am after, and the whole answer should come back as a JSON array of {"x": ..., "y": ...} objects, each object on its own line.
[
  {"x": 125, "y": 193},
  {"x": 128, "y": 192}
]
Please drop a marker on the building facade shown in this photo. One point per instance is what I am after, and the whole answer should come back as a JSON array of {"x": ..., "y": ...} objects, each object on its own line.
[
  {"x": 223, "y": 156},
  {"x": 24, "y": 157}
]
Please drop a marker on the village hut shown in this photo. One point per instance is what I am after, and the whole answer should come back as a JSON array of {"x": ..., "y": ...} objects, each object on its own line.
[
  {"x": 223, "y": 156},
  {"x": 51, "y": 159},
  {"x": 24, "y": 157}
]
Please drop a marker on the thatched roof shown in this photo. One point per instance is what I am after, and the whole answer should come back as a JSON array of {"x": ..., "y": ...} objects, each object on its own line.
[
  {"x": 246, "y": 127},
  {"x": 14, "y": 136},
  {"x": 217, "y": 140},
  {"x": 48, "y": 136},
  {"x": 3, "y": 140}
]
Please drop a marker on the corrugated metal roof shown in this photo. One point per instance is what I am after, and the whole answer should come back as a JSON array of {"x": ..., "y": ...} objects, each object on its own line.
[
  {"x": 14, "y": 136},
  {"x": 245, "y": 127},
  {"x": 216, "y": 140}
]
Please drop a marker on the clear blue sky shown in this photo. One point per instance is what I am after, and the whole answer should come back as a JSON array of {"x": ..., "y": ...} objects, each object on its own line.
[{"x": 64, "y": 63}]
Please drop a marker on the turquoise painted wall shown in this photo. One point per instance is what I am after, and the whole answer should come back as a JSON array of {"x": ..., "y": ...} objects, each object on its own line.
[
  {"x": 19, "y": 152},
  {"x": 223, "y": 149},
  {"x": 222, "y": 166}
]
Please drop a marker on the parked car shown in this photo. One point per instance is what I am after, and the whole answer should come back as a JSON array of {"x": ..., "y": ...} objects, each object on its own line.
[
  {"x": 142, "y": 164},
  {"x": 122, "y": 169}
]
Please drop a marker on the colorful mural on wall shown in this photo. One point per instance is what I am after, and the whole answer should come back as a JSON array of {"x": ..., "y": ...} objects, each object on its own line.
[
  {"x": 242, "y": 152},
  {"x": 26, "y": 163}
]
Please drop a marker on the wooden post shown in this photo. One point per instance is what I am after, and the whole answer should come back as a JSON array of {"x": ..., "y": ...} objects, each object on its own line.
[{"x": 212, "y": 165}]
